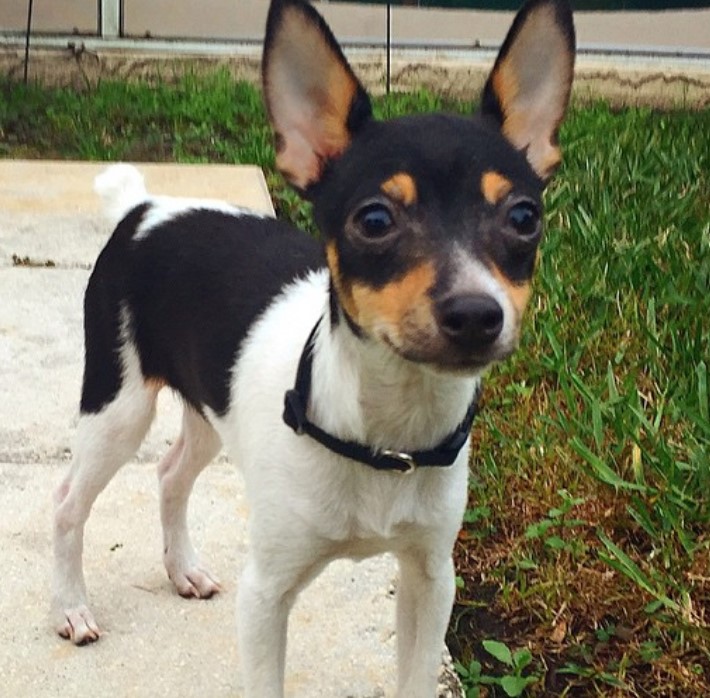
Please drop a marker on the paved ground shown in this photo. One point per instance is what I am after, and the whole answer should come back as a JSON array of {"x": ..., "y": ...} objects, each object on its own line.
[{"x": 155, "y": 643}]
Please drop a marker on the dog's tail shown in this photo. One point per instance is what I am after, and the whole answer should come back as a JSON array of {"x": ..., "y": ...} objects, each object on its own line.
[{"x": 121, "y": 188}]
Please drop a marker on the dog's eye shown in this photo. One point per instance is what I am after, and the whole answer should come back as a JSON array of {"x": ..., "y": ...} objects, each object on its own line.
[
  {"x": 374, "y": 221},
  {"x": 524, "y": 218}
]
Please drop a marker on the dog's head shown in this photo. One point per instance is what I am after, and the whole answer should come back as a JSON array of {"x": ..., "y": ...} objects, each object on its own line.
[{"x": 431, "y": 223}]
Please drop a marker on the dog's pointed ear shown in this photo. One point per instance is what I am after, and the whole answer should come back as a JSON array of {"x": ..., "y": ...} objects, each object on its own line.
[
  {"x": 314, "y": 101},
  {"x": 529, "y": 87}
]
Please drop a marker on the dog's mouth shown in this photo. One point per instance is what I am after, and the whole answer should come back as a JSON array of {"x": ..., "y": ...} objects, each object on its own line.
[{"x": 448, "y": 359}]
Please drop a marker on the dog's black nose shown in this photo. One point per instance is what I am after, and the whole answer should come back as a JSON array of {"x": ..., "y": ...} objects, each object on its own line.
[{"x": 471, "y": 321}]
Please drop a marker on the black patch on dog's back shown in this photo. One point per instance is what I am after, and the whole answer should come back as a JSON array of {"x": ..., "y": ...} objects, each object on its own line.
[{"x": 193, "y": 286}]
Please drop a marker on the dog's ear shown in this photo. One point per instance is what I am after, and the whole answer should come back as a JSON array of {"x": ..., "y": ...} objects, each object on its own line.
[
  {"x": 314, "y": 101},
  {"x": 529, "y": 87}
]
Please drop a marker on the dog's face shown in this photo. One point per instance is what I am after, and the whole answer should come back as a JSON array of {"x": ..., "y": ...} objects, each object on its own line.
[
  {"x": 431, "y": 249},
  {"x": 431, "y": 223}
]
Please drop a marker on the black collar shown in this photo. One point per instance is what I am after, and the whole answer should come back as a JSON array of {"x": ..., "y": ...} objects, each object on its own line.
[{"x": 296, "y": 402}]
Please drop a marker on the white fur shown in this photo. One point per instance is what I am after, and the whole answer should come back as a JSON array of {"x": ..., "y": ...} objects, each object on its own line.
[
  {"x": 167, "y": 208},
  {"x": 122, "y": 188},
  {"x": 104, "y": 442},
  {"x": 309, "y": 506},
  {"x": 474, "y": 277}
]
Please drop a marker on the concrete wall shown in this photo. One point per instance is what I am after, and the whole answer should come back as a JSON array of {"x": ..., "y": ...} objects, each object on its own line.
[
  {"x": 685, "y": 30},
  {"x": 55, "y": 16}
]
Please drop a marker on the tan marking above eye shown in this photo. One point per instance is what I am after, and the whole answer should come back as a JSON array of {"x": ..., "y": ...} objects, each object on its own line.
[
  {"x": 518, "y": 293},
  {"x": 495, "y": 187},
  {"x": 394, "y": 301},
  {"x": 401, "y": 187}
]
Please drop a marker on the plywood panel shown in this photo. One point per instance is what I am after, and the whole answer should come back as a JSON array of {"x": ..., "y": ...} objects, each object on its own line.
[
  {"x": 209, "y": 19},
  {"x": 53, "y": 16}
]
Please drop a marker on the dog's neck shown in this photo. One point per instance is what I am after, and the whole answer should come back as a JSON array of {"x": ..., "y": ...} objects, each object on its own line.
[{"x": 362, "y": 391}]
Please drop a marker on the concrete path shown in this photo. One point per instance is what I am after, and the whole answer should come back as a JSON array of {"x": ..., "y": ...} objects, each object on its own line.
[{"x": 155, "y": 643}]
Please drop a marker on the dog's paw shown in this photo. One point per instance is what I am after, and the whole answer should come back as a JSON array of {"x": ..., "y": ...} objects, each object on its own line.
[
  {"x": 195, "y": 582},
  {"x": 78, "y": 625}
]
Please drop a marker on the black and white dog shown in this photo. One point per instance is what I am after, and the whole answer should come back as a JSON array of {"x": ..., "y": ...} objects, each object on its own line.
[{"x": 341, "y": 377}]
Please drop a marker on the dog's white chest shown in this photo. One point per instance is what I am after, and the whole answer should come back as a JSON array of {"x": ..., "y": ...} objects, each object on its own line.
[{"x": 359, "y": 510}]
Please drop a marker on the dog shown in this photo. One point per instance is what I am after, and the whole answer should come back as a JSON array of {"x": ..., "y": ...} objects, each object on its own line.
[{"x": 341, "y": 376}]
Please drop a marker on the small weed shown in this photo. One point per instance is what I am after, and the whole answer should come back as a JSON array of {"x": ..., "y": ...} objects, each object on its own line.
[
  {"x": 605, "y": 632},
  {"x": 553, "y": 527},
  {"x": 591, "y": 675},
  {"x": 513, "y": 682}
]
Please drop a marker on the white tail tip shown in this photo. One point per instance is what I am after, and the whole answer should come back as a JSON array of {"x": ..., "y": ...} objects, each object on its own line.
[{"x": 121, "y": 188}]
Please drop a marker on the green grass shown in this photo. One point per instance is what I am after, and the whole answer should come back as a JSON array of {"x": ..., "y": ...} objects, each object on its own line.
[
  {"x": 586, "y": 541},
  {"x": 608, "y": 400}
]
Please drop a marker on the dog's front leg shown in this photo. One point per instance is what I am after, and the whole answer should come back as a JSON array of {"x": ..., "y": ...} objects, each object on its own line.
[
  {"x": 262, "y": 616},
  {"x": 425, "y": 596},
  {"x": 267, "y": 590}
]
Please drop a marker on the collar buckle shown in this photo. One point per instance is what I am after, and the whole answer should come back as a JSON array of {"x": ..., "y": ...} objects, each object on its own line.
[{"x": 409, "y": 465}]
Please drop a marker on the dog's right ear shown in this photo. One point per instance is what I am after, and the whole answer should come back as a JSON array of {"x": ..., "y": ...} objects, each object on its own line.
[
  {"x": 314, "y": 101},
  {"x": 529, "y": 87}
]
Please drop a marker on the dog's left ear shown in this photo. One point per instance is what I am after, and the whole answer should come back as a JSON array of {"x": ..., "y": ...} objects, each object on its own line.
[
  {"x": 315, "y": 102},
  {"x": 530, "y": 84}
]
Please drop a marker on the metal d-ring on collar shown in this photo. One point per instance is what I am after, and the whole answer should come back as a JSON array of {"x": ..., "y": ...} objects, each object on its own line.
[{"x": 296, "y": 402}]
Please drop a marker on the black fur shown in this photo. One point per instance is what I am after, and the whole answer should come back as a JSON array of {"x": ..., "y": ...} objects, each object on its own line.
[
  {"x": 102, "y": 317},
  {"x": 192, "y": 287},
  {"x": 447, "y": 157}
]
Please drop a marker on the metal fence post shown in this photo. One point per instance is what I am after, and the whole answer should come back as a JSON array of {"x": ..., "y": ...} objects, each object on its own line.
[
  {"x": 389, "y": 46},
  {"x": 27, "y": 40},
  {"x": 110, "y": 19}
]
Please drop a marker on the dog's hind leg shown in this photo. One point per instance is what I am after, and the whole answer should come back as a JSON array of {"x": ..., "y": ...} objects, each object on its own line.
[
  {"x": 197, "y": 445},
  {"x": 106, "y": 439},
  {"x": 425, "y": 595}
]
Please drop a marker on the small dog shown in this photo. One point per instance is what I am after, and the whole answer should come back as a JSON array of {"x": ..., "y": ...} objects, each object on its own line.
[{"x": 342, "y": 377}]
